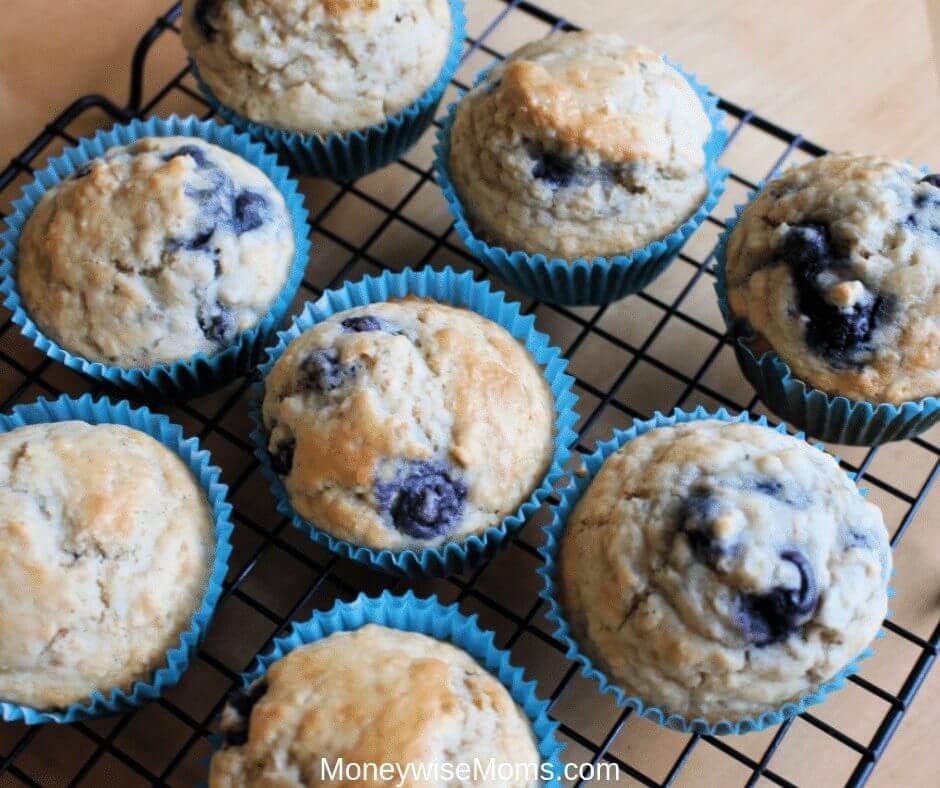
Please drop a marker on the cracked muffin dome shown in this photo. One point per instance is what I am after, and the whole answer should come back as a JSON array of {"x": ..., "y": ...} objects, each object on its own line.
[
  {"x": 318, "y": 66},
  {"x": 720, "y": 570},
  {"x": 407, "y": 424},
  {"x": 154, "y": 252},
  {"x": 579, "y": 145},
  {"x": 372, "y": 696},
  {"x": 836, "y": 266},
  {"x": 106, "y": 542}
]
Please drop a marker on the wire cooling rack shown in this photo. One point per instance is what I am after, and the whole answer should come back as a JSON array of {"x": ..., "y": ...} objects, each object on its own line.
[{"x": 656, "y": 350}]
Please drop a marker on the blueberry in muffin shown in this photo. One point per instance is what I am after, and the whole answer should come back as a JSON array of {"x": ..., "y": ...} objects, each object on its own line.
[
  {"x": 106, "y": 544},
  {"x": 836, "y": 266},
  {"x": 154, "y": 252},
  {"x": 374, "y": 695},
  {"x": 579, "y": 145},
  {"x": 719, "y": 570},
  {"x": 318, "y": 66},
  {"x": 407, "y": 424}
]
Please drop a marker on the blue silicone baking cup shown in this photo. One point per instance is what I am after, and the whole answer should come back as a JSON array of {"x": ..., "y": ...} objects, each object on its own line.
[
  {"x": 199, "y": 373},
  {"x": 426, "y": 616},
  {"x": 458, "y": 289},
  {"x": 104, "y": 411},
  {"x": 349, "y": 155},
  {"x": 600, "y": 280},
  {"x": 569, "y": 498},
  {"x": 830, "y": 417}
]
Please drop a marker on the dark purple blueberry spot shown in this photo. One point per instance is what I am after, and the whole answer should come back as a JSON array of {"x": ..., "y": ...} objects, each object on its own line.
[
  {"x": 842, "y": 335},
  {"x": 774, "y": 615},
  {"x": 556, "y": 170},
  {"x": 362, "y": 323},
  {"x": 196, "y": 153},
  {"x": 242, "y": 701},
  {"x": 82, "y": 171},
  {"x": 855, "y": 538},
  {"x": 250, "y": 211},
  {"x": 321, "y": 371},
  {"x": 205, "y": 9},
  {"x": 696, "y": 520},
  {"x": 198, "y": 243},
  {"x": 424, "y": 499},
  {"x": 933, "y": 179},
  {"x": 217, "y": 323},
  {"x": 785, "y": 493},
  {"x": 282, "y": 458}
]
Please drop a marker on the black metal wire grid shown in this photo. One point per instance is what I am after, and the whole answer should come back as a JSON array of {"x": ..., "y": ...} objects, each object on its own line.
[{"x": 135, "y": 748}]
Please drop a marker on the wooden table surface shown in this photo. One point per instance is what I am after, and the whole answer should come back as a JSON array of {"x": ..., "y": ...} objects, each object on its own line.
[{"x": 860, "y": 76}]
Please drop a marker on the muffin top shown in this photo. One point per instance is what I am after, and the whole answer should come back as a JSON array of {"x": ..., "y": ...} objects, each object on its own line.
[
  {"x": 407, "y": 424},
  {"x": 155, "y": 252},
  {"x": 318, "y": 66},
  {"x": 719, "y": 570},
  {"x": 375, "y": 695},
  {"x": 106, "y": 542},
  {"x": 836, "y": 265},
  {"x": 580, "y": 145}
]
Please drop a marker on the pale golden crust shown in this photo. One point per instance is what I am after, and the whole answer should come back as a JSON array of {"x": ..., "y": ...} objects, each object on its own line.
[
  {"x": 882, "y": 222},
  {"x": 318, "y": 66},
  {"x": 680, "y": 527},
  {"x": 579, "y": 145},
  {"x": 105, "y": 548},
  {"x": 375, "y": 695},
  {"x": 445, "y": 385}
]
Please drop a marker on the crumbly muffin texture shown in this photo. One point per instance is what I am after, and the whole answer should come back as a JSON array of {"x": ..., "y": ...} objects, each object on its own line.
[
  {"x": 318, "y": 66},
  {"x": 579, "y": 145},
  {"x": 836, "y": 265},
  {"x": 372, "y": 696},
  {"x": 106, "y": 541},
  {"x": 155, "y": 252},
  {"x": 720, "y": 570},
  {"x": 407, "y": 424}
]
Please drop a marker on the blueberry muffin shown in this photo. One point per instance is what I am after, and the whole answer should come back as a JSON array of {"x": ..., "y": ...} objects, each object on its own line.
[
  {"x": 720, "y": 570},
  {"x": 372, "y": 696},
  {"x": 407, "y": 424},
  {"x": 106, "y": 540},
  {"x": 318, "y": 66},
  {"x": 154, "y": 252},
  {"x": 836, "y": 267},
  {"x": 579, "y": 145}
]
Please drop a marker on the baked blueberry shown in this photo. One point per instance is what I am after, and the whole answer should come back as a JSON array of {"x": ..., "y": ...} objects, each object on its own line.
[
  {"x": 933, "y": 179},
  {"x": 250, "y": 211},
  {"x": 362, "y": 323},
  {"x": 556, "y": 170},
  {"x": 774, "y": 615},
  {"x": 282, "y": 458},
  {"x": 205, "y": 9},
  {"x": 218, "y": 323},
  {"x": 697, "y": 518},
  {"x": 237, "y": 716},
  {"x": 424, "y": 500},
  {"x": 788, "y": 493},
  {"x": 321, "y": 371},
  {"x": 197, "y": 154}
]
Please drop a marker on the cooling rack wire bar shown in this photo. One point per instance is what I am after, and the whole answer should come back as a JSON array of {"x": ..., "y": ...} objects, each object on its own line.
[{"x": 662, "y": 348}]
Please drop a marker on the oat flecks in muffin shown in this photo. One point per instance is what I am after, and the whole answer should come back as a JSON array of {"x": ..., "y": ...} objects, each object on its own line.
[
  {"x": 836, "y": 265},
  {"x": 579, "y": 145},
  {"x": 408, "y": 423},
  {"x": 157, "y": 251},
  {"x": 720, "y": 570},
  {"x": 318, "y": 66},
  {"x": 375, "y": 695},
  {"x": 105, "y": 550}
]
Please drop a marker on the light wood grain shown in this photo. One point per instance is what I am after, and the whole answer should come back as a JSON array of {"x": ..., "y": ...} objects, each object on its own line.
[{"x": 860, "y": 76}]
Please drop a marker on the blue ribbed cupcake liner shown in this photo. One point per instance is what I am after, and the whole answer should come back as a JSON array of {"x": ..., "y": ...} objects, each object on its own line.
[
  {"x": 831, "y": 417},
  {"x": 349, "y": 155},
  {"x": 582, "y": 281},
  {"x": 427, "y": 616},
  {"x": 200, "y": 372},
  {"x": 104, "y": 411},
  {"x": 445, "y": 286},
  {"x": 569, "y": 498}
]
